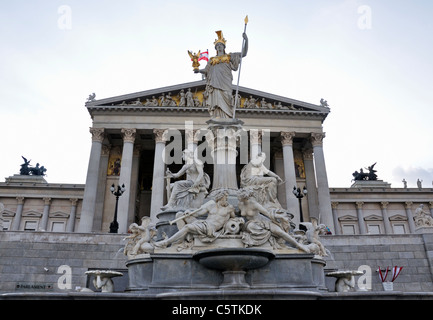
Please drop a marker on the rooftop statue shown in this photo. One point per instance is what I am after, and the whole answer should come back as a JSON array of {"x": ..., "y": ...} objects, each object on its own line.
[
  {"x": 219, "y": 77},
  {"x": 26, "y": 170},
  {"x": 371, "y": 175}
]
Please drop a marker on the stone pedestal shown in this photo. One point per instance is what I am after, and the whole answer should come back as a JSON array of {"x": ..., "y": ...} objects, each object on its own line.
[
  {"x": 25, "y": 179},
  {"x": 180, "y": 275},
  {"x": 224, "y": 138},
  {"x": 423, "y": 230},
  {"x": 163, "y": 225},
  {"x": 370, "y": 184}
]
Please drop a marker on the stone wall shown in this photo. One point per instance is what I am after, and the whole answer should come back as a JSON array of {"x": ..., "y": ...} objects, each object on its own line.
[
  {"x": 412, "y": 252},
  {"x": 32, "y": 261}
]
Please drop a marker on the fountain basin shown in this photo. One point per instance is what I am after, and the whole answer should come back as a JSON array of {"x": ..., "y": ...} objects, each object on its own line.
[{"x": 234, "y": 262}]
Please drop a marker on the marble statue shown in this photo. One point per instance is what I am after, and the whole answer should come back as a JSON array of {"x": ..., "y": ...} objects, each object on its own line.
[
  {"x": 313, "y": 230},
  {"x": 91, "y": 97},
  {"x": 188, "y": 193},
  {"x": 345, "y": 279},
  {"x": 324, "y": 103},
  {"x": 103, "y": 279},
  {"x": 219, "y": 77},
  {"x": 182, "y": 98},
  {"x": 422, "y": 218},
  {"x": 218, "y": 211},
  {"x": 262, "y": 181},
  {"x": 263, "y": 226},
  {"x": 189, "y": 98},
  {"x": 141, "y": 238}
]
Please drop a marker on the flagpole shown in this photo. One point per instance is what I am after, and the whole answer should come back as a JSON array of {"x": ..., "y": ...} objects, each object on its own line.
[{"x": 240, "y": 66}]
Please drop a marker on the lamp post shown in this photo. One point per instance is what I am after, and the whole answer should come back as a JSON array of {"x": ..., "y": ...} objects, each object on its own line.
[
  {"x": 114, "y": 225},
  {"x": 298, "y": 194}
]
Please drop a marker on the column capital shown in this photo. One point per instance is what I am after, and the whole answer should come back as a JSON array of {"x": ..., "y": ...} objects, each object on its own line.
[
  {"x": 47, "y": 201},
  {"x": 106, "y": 149},
  {"x": 359, "y": 204},
  {"x": 98, "y": 134},
  {"x": 128, "y": 135},
  {"x": 255, "y": 136},
  {"x": 317, "y": 139},
  {"x": 137, "y": 149},
  {"x": 334, "y": 205},
  {"x": 20, "y": 200},
  {"x": 74, "y": 201},
  {"x": 307, "y": 154},
  {"x": 384, "y": 204},
  {"x": 160, "y": 135},
  {"x": 408, "y": 204},
  {"x": 192, "y": 135},
  {"x": 287, "y": 138},
  {"x": 430, "y": 204}
]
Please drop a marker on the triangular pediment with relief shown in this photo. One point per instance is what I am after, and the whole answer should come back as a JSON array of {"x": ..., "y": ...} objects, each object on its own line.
[{"x": 191, "y": 95}]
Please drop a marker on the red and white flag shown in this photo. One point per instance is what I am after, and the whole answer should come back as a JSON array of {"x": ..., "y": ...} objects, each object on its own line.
[
  {"x": 204, "y": 56},
  {"x": 381, "y": 276},
  {"x": 395, "y": 272}
]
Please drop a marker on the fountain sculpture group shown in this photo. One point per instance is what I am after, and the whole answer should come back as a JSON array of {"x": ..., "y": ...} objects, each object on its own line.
[{"x": 224, "y": 237}]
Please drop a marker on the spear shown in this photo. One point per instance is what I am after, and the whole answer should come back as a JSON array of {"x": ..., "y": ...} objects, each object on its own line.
[{"x": 240, "y": 66}]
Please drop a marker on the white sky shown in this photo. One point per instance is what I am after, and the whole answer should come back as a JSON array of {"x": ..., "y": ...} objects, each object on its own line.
[{"x": 371, "y": 60}]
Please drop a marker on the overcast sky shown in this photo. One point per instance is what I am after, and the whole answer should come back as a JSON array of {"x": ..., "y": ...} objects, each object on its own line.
[{"x": 371, "y": 60}]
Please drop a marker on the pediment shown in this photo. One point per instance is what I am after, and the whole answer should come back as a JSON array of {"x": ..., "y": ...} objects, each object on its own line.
[
  {"x": 373, "y": 218},
  {"x": 251, "y": 100},
  {"x": 8, "y": 213},
  {"x": 348, "y": 218},
  {"x": 398, "y": 217},
  {"x": 32, "y": 213},
  {"x": 59, "y": 214}
]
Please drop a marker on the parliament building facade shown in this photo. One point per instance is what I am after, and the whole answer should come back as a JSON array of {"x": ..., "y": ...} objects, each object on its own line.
[{"x": 136, "y": 137}]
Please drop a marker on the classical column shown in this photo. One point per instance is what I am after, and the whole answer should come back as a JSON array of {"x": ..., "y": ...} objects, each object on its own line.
[
  {"x": 279, "y": 170},
  {"x": 388, "y": 228},
  {"x": 408, "y": 207},
  {"x": 360, "y": 213},
  {"x": 224, "y": 141},
  {"x": 191, "y": 139},
  {"x": 290, "y": 174},
  {"x": 72, "y": 215},
  {"x": 255, "y": 143},
  {"x": 44, "y": 221},
  {"x": 157, "y": 200},
  {"x": 134, "y": 183},
  {"x": 90, "y": 190},
  {"x": 334, "y": 206},
  {"x": 102, "y": 188},
  {"x": 325, "y": 211},
  {"x": 310, "y": 181},
  {"x": 128, "y": 136},
  {"x": 17, "y": 219}
]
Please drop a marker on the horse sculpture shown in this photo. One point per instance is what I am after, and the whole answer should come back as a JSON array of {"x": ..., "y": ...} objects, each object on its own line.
[{"x": 371, "y": 175}]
